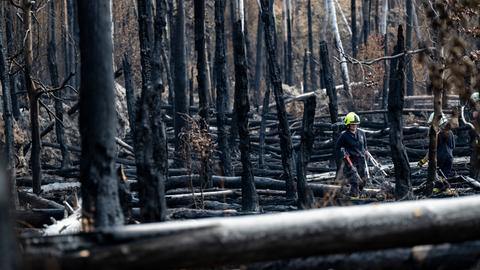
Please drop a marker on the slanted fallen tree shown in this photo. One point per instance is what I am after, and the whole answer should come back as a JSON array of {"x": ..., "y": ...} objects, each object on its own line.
[{"x": 247, "y": 239}]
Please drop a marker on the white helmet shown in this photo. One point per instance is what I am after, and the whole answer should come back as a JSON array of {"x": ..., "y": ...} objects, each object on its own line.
[
  {"x": 443, "y": 120},
  {"x": 475, "y": 97}
]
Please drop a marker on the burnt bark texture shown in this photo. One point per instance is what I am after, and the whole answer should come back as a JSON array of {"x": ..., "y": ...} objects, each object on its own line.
[
  {"x": 403, "y": 186},
  {"x": 157, "y": 65},
  {"x": 180, "y": 79},
  {"x": 202, "y": 80},
  {"x": 150, "y": 139},
  {"x": 53, "y": 69},
  {"x": 408, "y": 46},
  {"x": 32, "y": 98},
  {"x": 11, "y": 51},
  {"x": 220, "y": 70},
  {"x": 7, "y": 241},
  {"x": 8, "y": 149},
  {"x": 306, "y": 199},
  {"x": 242, "y": 107},
  {"x": 259, "y": 61},
  {"x": 353, "y": 8},
  {"x": 366, "y": 20},
  {"x": 327, "y": 74},
  {"x": 313, "y": 73},
  {"x": 101, "y": 206},
  {"x": 276, "y": 81},
  {"x": 290, "y": 76},
  {"x": 129, "y": 92}
]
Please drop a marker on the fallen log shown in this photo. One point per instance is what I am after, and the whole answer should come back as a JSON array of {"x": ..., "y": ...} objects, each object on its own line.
[
  {"x": 198, "y": 243},
  {"x": 445, "y": 256},
  {"x": 37, "y": 202},
  {"x": 38, "y": 217}
]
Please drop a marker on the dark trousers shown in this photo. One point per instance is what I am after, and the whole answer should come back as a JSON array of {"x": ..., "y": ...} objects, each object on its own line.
[{"x": 357, "y": 174}]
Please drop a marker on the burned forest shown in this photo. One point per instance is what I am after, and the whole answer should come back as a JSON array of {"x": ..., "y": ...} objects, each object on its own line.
[{"x": 234, "y": 134}]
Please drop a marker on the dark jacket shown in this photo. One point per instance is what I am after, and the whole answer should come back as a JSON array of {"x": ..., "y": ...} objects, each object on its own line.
[
  {"x": 355, "y": 144},
  {"x": 446, "y": 144}
]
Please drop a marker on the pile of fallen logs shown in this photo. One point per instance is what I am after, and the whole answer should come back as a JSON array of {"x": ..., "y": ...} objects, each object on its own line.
[{"x": 248, "y": 239}]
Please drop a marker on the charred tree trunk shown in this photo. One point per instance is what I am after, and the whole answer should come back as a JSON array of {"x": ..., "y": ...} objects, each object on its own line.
[
  {"x": 408, "y": 46},
  {"x": 366, "y": 20},
  {"x": 263, "y": 123},
  {"x": 52, "y": 66},
  {"x": 32, "y": 98},
  {"x": 403, "y": 187},
  {"x": 242, "y": 107},
  {"x": 101, "y": 206},
  {"x": 353, "y": 8},
  {"x": 377, "y": 16},
  {"x": 259, "y": 60},
  {"x": 11, "y": 51},
  {"x": 274, "y": 74},
  {"x": 331, "y": 92},
  {"x": 306, "y": 199},
  {"x": 129, "y": 92},
  {"x": 159, "y": 27},
  {"x": 150, "y": 139},
  {"x": 180, "y": 79},
  {"x": 221, "y": 85},
  {"x": 202, "y": 82},
  {"x": 289, "y": 77},
  {"x": 313, "y": 73},
  {"x": 9, "y": 148},
  {"x": 202, "y": 79},
  {"x": 386, "y": 64},
  {"x": 7, "y": 241}
]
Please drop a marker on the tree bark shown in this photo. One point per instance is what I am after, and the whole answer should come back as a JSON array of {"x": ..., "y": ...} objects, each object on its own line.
[
  {"x": 313, "y": 73},
  {"x": 263, "y": 124},
  {"x": 343, "y": 65},
  {"x": 32, "y": 98},
  {"x": 159, "y": 27},
  {"x": 403, "y": 186},
  {"x": 101, "y": 206},
  {"x": 366, "y": 20},
  {"x": 353, "y": 8},
  {"x": 11, "y": 51},
  {"x": 202, "y": 80},
  {"x": 129, "y": 92},
  {"x": 150, "y": 138},
  {"x": 221, "y": 85},
  {"x": 259, "y": 61},
  {"x": 408, "y": 46},
  {"x": 9, "y": 148},
  {"x": 274, "y": 74},
  {"x": 180, "y": 79},
  {"x": 242, "y": 107},
  {"x": 306, "y": 199},
  {"x": 386, "y": 64},
  {"x": 8, "y": 247},
  {"x": 290, "y": 76},
  {"x": 270, "y": 236},
  {"x": 52, "y": 66}
]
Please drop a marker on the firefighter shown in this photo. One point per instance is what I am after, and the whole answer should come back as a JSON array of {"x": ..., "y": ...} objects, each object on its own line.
[
  {"x": 352, "y": 147},
  {"x": 445, "y": 146}
]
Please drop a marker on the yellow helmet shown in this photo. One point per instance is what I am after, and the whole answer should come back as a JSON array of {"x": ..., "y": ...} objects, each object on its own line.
[
  {"x": 351, "y": 118},
  {"x": 475, "y": 97}
]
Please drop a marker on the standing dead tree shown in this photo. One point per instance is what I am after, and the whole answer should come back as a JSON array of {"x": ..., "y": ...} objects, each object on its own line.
[
  {"x": 242, "y": 107},
  {"x": 332, "y": 18},
  {"x": 221, "y": 86},
  {"x": 313, "y": 73},
  {"x": 7, "y": 243},
  {"x": 403, "y": 187},
  {"x": 9, "y": 156},
  {"x": 101, "y": 206},
  {"x": 202, "y": 80},
  {"x": 53, "y": 68},
  {"x": 150, "y": 139},
  {"x": 276, "y": 81},
  {"x": 32, "y": 97},
  {"x": 178, "y": 55}
]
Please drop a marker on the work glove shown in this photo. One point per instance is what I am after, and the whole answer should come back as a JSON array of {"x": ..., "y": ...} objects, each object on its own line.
[{"x": 422, "y": 162}]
